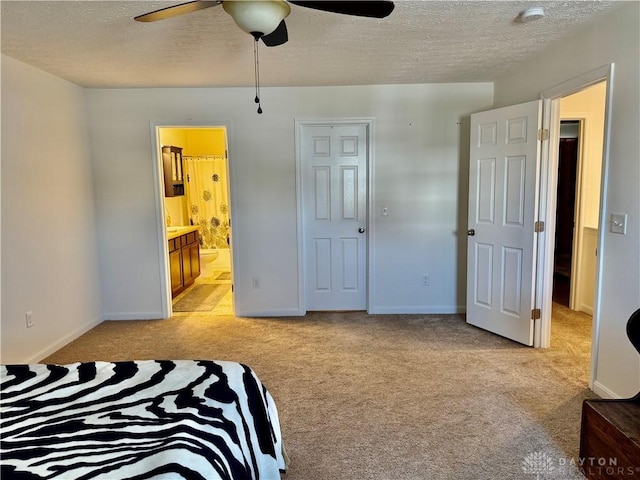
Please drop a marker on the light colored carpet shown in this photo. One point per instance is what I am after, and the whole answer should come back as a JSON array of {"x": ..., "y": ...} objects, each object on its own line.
[{"x": 388, "y": 396}]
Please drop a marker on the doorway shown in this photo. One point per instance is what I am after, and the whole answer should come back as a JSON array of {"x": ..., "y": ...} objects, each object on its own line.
[
  {"x": 570, "y": 101},
  {"x": 541, "y": 219},
  {"x": 198, "y": 211},
  {"x": 578, "y": 205}
]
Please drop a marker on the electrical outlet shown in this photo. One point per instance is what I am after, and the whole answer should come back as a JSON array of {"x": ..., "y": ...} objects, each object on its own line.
[
  {"x": 29, "y": 319},
  {"x": 426, "y": 280},
  {"x": 255, "y": 282}
]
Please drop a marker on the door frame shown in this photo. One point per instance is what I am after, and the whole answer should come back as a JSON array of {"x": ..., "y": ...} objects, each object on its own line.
[
  {"x": 369, "y": 122},
  {"x": 548, "y": 185},
  {"x": 166, "y": 303}
]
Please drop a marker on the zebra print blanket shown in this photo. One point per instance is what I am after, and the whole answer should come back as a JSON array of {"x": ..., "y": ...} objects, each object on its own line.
[{"x": 138, "y": 420}]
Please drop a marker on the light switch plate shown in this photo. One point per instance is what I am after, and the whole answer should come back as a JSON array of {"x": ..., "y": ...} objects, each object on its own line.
[{"x": 619, "y": 223}]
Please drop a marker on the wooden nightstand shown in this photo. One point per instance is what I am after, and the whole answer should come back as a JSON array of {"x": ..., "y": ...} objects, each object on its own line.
[{"x": 610, "y": 439}]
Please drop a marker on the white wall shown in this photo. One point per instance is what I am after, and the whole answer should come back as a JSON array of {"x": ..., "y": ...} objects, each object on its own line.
[
  {"x": 49, "y": 252},
  {"x": 421, "y": 152},
  {"x": 613, "y": 39}
]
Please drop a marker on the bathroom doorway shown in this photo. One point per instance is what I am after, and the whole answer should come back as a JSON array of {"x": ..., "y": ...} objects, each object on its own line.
[{"x": 200, "y": 203}]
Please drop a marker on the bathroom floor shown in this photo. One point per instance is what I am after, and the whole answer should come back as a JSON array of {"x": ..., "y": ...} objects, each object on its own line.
[{"x": 219, "y": 274}]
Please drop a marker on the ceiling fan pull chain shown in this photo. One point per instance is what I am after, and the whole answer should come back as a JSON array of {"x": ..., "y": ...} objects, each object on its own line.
[{"x": 257, "y": 73}]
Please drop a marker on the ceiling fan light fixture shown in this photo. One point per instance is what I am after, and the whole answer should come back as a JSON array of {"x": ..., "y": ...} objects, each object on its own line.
[{"x": 257, "y": 16}]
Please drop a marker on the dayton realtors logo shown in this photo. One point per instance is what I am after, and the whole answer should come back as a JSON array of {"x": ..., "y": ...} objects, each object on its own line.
[
  {"x": 538, "y": 463},
  {"x": 543, "y": 465}
]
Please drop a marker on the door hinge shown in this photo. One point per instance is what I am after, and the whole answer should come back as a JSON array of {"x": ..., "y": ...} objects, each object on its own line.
[
  {"x": 538, "y": 227},
  {"x": 543, "y": 134},
  {"x": 535, "y": 314}
]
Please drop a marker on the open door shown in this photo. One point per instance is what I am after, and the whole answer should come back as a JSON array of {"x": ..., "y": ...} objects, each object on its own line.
[{"x": 503, "y": 203}]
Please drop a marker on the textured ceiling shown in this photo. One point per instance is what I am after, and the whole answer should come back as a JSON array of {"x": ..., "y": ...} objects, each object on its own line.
[{"x": 98, "y": 44}]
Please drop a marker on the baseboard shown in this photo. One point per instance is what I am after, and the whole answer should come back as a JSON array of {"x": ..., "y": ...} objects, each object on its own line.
[
  {"x": 421, "y": 309},
  {"x": 58, "y": 344},
  {"x": 604, "y": 392},
  {"x": 586, "y": 309}
]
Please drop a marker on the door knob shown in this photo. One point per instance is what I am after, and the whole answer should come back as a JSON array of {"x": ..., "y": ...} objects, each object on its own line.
[
  {"x": 361, "y": 230},
  {"x": 471, "y": 232}
]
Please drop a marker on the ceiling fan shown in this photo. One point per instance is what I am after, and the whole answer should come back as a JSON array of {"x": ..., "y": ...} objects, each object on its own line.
[{"x": 264, "y": 19}]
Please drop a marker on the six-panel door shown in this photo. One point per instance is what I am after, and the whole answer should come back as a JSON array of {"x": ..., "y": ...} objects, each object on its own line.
[
  {"x": 334, "y": 187},
  {"x": 504, "y": 157}
]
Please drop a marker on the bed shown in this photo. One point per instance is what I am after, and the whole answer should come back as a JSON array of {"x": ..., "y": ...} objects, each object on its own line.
[{"x": 137, "y": 420}]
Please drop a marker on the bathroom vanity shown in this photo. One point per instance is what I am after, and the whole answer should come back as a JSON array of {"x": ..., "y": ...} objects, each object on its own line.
[{"x": 184, "y": 257}]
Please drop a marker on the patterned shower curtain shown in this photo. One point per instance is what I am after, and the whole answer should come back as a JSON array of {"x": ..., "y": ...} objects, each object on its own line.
[{"x": 206, "y": 191}]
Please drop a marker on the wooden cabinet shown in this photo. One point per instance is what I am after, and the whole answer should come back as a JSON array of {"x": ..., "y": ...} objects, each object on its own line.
[
  {"x": 173, "y": 172},
  {"x": 610, "y": 439},
  {"x": 175, "y": 263},
  {"x": 190, "y": 263},
  {"x": 184, "y": 261}
]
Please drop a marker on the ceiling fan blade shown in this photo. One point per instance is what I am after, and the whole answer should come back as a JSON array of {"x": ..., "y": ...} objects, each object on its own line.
[
  {"x": 364, "y": 8},
  {"x": 176, "y": 10},
  {"x": 277, "y": 37}
]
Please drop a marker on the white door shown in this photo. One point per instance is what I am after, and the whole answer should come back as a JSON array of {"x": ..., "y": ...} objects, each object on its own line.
[
  {"x": 503, "y": 202},
  {"x": 334, "y": 194}
]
